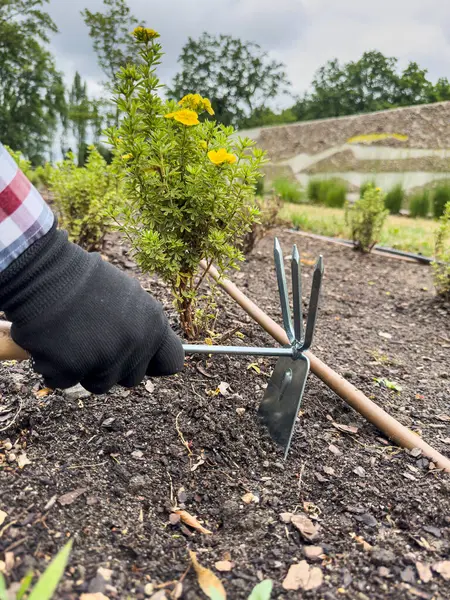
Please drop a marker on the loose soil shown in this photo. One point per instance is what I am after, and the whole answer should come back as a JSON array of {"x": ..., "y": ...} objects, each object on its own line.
[{"x": 126, "y": 452}]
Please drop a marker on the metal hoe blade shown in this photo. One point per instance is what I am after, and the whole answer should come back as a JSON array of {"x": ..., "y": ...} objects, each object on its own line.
[{"x": 282, "y": 399}]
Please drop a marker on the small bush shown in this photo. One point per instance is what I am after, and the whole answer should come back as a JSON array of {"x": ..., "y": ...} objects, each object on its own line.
[
  {"x": 419, "y": 204},
  {"x": 83, "y": 198},
  {"x": 366, "y": 218},
  {"x": 313, "y": 190},
  {"x": 441, "y": 196},
  {"x": 288, "y": 190},
  {"x": 334, "y": 193},
  {"x": 43, "y": 175},
  {"x": 189, "y": 182},
  {"x": 441, "y": 267},
  {"x": 393, "y": 200},
  {"x": 268, "y": 219}
]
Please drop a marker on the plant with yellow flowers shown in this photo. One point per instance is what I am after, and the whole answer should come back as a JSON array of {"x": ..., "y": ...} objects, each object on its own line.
[{"x": 188, "y": 181}]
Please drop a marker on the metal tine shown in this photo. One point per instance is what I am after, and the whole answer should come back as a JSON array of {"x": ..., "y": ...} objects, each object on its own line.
[
  {"x": 297, "y": 295},
  {"x": 313, "y": 304},
  {"x": 282, "y": 289}
]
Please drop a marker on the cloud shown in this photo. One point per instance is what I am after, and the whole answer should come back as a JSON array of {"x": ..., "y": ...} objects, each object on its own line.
[{"x": 303, "y": 34}]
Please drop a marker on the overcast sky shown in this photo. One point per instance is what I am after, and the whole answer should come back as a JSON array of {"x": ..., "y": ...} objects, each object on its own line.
[{"x": 303, "y": 34}]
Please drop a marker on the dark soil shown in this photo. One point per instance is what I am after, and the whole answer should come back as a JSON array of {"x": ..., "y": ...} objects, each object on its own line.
[{"x": 126, "y": 451}]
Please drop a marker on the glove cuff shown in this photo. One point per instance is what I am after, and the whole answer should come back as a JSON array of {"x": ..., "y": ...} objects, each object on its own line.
[{"x": 45, "y": 272}]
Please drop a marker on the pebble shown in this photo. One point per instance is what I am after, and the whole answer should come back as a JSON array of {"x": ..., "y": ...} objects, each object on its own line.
[
  {"x": 380, "y": 556},
  {"x": 313, "y": 552},
  {"x": 367, "y": 519},
  {"x": 408, "y": 575},
  {"x": 138, "y": 483},
  {"x": 76, "y": 392}
]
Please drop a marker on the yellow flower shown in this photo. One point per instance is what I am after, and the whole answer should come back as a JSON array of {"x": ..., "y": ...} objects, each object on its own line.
[
  {"x": 144, "y": 34},
  {"x": 193, "y": 101},
  {"x": 378, "y": 189},
  {"x": 185, "y": 116},
  {"x": 221, "y": 156},
  {"x": 207, "y": 106},
  {"x": 126, "y": 156},
  {"x": 203, "y": 144}
]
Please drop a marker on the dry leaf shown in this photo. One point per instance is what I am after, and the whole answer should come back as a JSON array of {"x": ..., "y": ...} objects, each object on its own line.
[
  {"x": 191, "y": 521},
  {"x": 23, "y": 460},
  {"x": 208, "y": 582},
  {"x": 360, "y": 540},
  {"x": 223, "y": 388},
  {"x": 255, "y": 367},
  {"x": 303, "y": 576},
  {"x": 150, "y": 386},
  {"x": 3, "y": 516},
  {"x": 424, "y": 572},
  {"x": 137, "y": 454},
  {"x": 286, "y": 517},
  {"x": 443, "y": 418},
  {"x": 443, "y": 568},
  {"x": 71, "y": 496},
  {"x": 249, "y": 498},
  {"x": 204, "y": 372},
  {"x": 306, "y": 527},
  {"x": 224, "y": 565},
  {"x": 96, "y": 596},
  {"x": 44, "y": 392},
  {"x": 345, "y": 428}
]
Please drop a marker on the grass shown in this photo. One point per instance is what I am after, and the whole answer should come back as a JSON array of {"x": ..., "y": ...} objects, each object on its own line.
[{"x": 402, "y": 233}]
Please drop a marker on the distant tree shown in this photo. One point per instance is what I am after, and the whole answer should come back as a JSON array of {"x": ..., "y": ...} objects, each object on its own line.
[
  {"x": 264, "y": 117},
  {"x": 369, "y": 84},
  {"x": 112, "y": 41},
  {"x": 32, "y": 97},
  {"x": 238, "y": 77}
]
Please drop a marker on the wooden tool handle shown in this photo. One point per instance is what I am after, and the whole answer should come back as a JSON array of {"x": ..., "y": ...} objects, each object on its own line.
[{"x": 9, "y": 350}]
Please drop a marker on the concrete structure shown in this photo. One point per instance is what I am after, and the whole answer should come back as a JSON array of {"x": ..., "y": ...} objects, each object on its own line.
[{"x": 404, "y": 145}]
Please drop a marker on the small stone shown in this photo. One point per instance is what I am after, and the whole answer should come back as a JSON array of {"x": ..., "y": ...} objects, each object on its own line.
[
  {"x": 11, "y": 457},
  {"x": 174, "y": 519},
  {"x": 359, "y": 471},
  {"x": 433, "y": 530},
  {"x": 108, "y": 422},
  {"x": 384, "y": 572},
  {"x": 286, "y": 517},
  {"x": 77, "y": 392},
  {"x": 367, "y": 519},
  {"x": 266, "y": 464},
  {"x": 415, "y": 452},
  {"x": 149, "y": 589},
  {"x": 7, "y": 446},
  {"x": 380, "y": 556},
  {"x": 334, "y": 449},
  {"x": 138, "y": 483},
  {"x": 408, "y": 575},
  {"x": 105, "y": 573},
  {"x": 240, "y": 411},
  {"x": 313, "y": 552}
]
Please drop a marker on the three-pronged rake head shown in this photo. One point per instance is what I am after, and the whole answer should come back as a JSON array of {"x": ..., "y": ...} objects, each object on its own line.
[{"x": 282, "y": 399}]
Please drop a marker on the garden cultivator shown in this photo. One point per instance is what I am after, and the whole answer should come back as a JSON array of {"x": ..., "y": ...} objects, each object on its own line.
[{"x": 282, "y": 399}]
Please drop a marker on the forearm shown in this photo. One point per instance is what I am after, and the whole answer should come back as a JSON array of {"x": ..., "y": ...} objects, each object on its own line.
[{"x": 24, "y": 215}]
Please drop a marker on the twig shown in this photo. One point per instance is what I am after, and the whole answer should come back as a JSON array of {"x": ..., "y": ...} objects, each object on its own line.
[
  {"x": 15, "y": 544},
  {"x": 300, "y": 477},
  {"x": 14, "y": 418},
  {"x": 181, "y": 436},
  {"x": 172, "y": 498},
  {"x": 227, "y": 335}
]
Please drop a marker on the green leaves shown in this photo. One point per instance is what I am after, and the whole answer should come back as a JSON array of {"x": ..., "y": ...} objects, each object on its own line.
[
  {"x": 184, "y": 204},
  {"x": 366, "y": 218},
  {"x": 390, "y": 385},
  {"x": 262, "y": 591},
  {"x": 48, "y": 582}
]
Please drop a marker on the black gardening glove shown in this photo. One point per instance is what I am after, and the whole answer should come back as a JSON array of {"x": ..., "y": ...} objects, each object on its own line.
[{"x": 83, "y": 320}]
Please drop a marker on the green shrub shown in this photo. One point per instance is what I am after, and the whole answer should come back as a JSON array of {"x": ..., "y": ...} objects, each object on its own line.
[
  {"x": 365, "y": 185},
  {"x": 441, "y": 267},
  {"x": 393, "y": 200},
  {"x": 288, "y": 190},
  {"x": 189, "y": 183},
  {"x": 441, "y": 196},
  {"x": 43, "y": 175},
  {"x": 47, "y": 583},
  {"x": 366, "y": 218},
  {"x": 84, "y": 197},
  {"x": 334, "y": 193},
  {"x": 313, "y": 190},
  {"x": 419, "y": 204}
]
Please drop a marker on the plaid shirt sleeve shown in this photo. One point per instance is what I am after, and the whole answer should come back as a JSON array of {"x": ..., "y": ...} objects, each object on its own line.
[{"x": 24, "y": 215}]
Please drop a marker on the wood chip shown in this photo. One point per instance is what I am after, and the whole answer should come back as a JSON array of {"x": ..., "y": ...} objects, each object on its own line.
[
  {"x": 192, "y": 522},
  {"x": 224, "y": 565},
  {"x": 334, "y": 449},
  {"x": 70, "y": 497},
  {"x": 302, "y": 576},
  {"x": 424, "y": 572},
  {"x": 345, "y": 428},
  {"x": 443, "y": 568},
  {"x": 249, "y": 498},
  {"x": 3, "y": 516},
  {"x": 150, "y": 386},
  {"x": 306, "y": 527}
]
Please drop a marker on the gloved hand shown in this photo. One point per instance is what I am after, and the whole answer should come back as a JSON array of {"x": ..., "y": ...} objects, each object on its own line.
[{"x": 83, "y": 320}]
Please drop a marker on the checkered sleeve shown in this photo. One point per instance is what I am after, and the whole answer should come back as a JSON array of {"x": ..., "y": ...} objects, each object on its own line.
[{"x": 24, "y": 215}]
